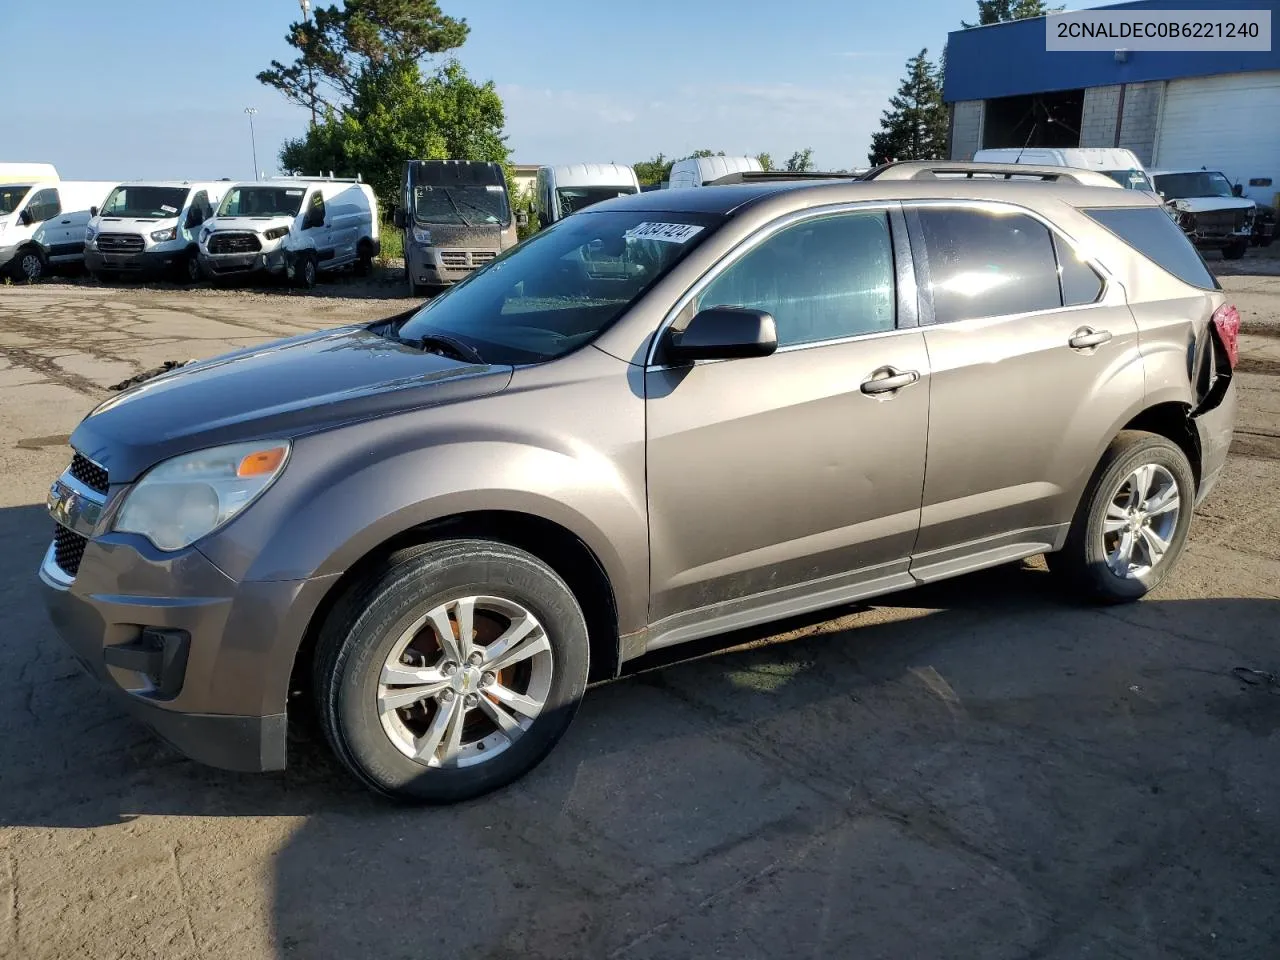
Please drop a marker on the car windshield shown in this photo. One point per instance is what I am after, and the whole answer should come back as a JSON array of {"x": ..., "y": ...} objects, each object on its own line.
[
  {"x": 562, "y": 287},
  {"x": 11, "y": 196},
  {"x": 471, "y": 204},
  {"x": 1180, "y": 186},
  {"x": 145, "y": 203},
  {"x": 573, "y": 199},
  {"x": 1131, "y": 179},
  {"x": 262, "y": 202}
]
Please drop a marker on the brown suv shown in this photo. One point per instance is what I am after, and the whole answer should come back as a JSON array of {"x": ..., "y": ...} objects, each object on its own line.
[{"x": 671, "y": 415}]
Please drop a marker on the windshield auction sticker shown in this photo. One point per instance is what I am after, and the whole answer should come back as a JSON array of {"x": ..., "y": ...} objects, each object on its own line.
[
  {"x": 1109, "y": 29},
  {"x": 666, "y": 232}
]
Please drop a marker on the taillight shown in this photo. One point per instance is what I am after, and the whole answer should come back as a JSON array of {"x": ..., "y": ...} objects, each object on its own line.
[{"x": 1226, "y": 320}]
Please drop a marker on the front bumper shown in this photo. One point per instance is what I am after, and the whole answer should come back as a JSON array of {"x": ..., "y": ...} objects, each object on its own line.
[
  {"x": 275, "y": 262},
  {"x": 202, "y": 660},
  {"x": 145, "y": 262}
]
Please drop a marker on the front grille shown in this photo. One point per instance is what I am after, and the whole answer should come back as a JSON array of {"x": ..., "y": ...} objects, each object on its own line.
[
  {"x": 227, "y": 242},
  {"x": 1221, "y": 221},
  {"x": 68, "y": 549},
  {"x": 120, "y": 243},
  {"x": 465, "y": 259},
  {"x": 89, "y": 473}
]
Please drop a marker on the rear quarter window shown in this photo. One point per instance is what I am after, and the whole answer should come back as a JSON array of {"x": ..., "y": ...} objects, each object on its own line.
[{"x": 1152, "y": 232}]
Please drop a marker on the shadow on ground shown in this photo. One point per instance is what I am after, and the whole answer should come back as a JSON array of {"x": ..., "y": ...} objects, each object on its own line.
[{"x": 974, "y": 769}]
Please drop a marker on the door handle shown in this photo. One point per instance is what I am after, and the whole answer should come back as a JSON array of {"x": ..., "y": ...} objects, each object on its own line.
[
  {"x": 66, "y": 221},
  {"x": 1087, "y": 337},
  {"x": 888, "y": 380}
]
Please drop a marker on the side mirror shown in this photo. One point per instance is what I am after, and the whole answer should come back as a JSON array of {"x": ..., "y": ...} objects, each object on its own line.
[
  {"x": 522, "y": 218},
  {"x": 724, "y": 333},
  {"x": 1237, "y": 191},
  {"x": 314, "y": 219},
  {"x": 93, "y": 211},
  {"x": 399, "y": 219},
  {"x": 25, "y": 218}
]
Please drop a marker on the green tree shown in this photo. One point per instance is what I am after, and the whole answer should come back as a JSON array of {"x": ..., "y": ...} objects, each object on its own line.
[
  {"x": 654, "y": 170},
  {"x": 915, "y": 125},
  {"x": 1000, "y": 11},
  {"x": 765, "y": 161},
  {"x": 396, "y": 114},
  {"x": 801, "y": 160},
  {"x": 340, "y": 46}
]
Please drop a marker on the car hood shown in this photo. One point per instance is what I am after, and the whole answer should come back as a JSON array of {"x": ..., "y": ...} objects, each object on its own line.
[
  {"x": 250, "y": 224},
  {"x": 278, "y": 390},
  {"x": 132, "y": 224},
  {"x": 1205, "y": 204}
]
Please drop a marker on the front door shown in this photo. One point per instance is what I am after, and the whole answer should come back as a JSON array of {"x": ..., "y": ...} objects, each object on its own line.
[
  {"x": 1034, "y": 358},
  {"x": 778, "y": 480}
]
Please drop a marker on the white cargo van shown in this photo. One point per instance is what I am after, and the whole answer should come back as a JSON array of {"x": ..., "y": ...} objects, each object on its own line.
[
  {"x": 696, "y": 171},
  {"x": 43, "y": 219},
  {"x": 291, "y": 227},
  {"x": 567, "y": 189},
  {"x": 1122, "y": 166},
  {"x": 149, "y": 228}
]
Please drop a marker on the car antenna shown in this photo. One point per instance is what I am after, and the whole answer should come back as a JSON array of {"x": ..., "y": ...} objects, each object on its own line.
[{"x": 1018, "y": 158}]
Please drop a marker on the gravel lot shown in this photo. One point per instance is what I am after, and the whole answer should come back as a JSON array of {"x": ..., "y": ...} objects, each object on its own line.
[{"x": 970, "y": 770}]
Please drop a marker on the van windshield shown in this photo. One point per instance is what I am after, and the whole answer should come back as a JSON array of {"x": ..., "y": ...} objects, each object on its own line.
[
  {"x": 470, "y": 204},
  {"x": 573, "y": 199},
  {"x": 11, "y": 197},
  {"x": 145, "y": 203},
  {"x": 262, "y": 202},
  {"x": 1131, "y": 179},
  {"x": 1182, "y": 186},
  {"x": 562, "y": 287}
]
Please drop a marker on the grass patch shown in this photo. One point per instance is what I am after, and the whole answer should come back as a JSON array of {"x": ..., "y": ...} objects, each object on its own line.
[{"x": 392, "y": 242}]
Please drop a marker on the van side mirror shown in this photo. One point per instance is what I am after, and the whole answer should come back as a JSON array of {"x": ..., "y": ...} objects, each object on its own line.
[
  {"x": 399, "y": 219},
  {"x": 25, "y": 218},
  {"x": 93, "y": 211},
  {"x": 315, "y": 218},
  {"x": 522, "y": 218},
  {"x": 1237, "y": 191},
  {"x": 723, "y": 333}
]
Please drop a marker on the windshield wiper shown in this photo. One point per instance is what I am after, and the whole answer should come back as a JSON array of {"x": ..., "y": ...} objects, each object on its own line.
[
  {"x": 456, "y": 209},
  {"x": 458, "y": 349}
]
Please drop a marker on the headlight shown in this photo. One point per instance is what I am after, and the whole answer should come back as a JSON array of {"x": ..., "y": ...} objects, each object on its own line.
[
  {"x": 183, "y": 499},
  {"x": 422, "y": 236},
  {"x": 89, "y": 234},
  {"x": 160, "y": 236},
  {"x": 275, "y": 233}
]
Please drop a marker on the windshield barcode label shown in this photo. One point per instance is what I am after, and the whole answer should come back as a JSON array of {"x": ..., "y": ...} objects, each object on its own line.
[{"x": 666, "y": 232}]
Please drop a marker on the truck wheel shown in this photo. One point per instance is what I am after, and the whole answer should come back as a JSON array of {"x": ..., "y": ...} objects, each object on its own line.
[
  {"x": 1236, "y": 250},
  {"x": 364, "y": 260},
  {"x": 191, "y": 271},
  {"x": 1132, "y": 522},
  {"x": 30, "y": 264},
  {"x": 306, "y": 271},
  {"x": 451, "y": 671}
]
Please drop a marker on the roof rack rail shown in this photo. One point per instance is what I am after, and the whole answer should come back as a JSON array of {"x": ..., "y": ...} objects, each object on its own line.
[
  {"x": 765, "y": 176},
  {"x": 972, "y": 170}
]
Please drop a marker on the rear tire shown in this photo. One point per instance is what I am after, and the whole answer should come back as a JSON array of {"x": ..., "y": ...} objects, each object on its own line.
[
  {"x": 1132, "y": 522},
  {"x": 1235, "y": 251},
  {"x": 446, "y": 746},
  {"x": 364, "y": 260}
]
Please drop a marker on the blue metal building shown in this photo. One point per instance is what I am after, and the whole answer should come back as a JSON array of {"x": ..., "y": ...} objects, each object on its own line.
[{"x": 1174, "y": 110}]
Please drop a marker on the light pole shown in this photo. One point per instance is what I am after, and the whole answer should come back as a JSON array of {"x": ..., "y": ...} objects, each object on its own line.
[
  {"x": 306, "y": 53},
  {"x": 252, "y": 139}
]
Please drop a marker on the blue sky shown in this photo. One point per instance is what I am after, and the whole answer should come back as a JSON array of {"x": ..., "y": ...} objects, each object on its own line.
[{"x": 157, "y": 88}]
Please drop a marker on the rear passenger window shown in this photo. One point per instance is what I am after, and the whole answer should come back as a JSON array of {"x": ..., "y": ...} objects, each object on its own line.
[
  {"x": 1080, "y": 285},
  {"x": 821, "y": 279},
  {"x": 1152, "y": 232},
  {"x": 987, "y": 265}
]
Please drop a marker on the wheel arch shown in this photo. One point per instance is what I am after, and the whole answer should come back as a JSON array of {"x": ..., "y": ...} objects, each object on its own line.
[
  {"x": 557, "y": 546},
  {"x": 1171, "y": 419}
]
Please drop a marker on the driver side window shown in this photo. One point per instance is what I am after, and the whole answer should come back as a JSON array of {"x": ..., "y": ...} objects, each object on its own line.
[
  {"x": 822, "y": 279},
  {"x": 44, "y": 205}
]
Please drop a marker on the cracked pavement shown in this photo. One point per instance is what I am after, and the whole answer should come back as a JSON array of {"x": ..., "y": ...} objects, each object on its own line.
[{"x": 973, "y": 769}]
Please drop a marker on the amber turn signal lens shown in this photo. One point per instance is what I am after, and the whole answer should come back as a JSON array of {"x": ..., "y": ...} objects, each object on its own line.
[{"x": 261, "y": 462}]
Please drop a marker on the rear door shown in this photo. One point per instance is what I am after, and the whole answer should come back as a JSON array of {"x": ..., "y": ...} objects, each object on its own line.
[
  {"x": 1034, "y": 358},
  {"x": 792, "y": 477},
  {"x": 47, "y": 229}
]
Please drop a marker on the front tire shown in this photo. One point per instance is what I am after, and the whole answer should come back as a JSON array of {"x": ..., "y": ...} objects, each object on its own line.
[
  {"x": 30, "y": 264},
  {"x": 191, "y": 271},
  {"x": 1132, "y": 522},
  {"x": 1235, "y": 251},
  {"x": 452, "y": 671},
  {"x": 306, "y": 271}
]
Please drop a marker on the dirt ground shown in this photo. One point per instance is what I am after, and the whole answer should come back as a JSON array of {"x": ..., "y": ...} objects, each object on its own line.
[{"x": 971, "y": 770}]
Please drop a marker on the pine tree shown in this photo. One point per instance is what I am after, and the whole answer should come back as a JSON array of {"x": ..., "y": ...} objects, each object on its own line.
[
  {"x": 915, "y": 125},
  {"x": 1000, "y": 11}
]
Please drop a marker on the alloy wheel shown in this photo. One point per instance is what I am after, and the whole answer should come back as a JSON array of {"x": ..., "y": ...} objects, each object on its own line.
[
  {"x": 1140, "y": 522},
  {"x": 465, "y": 681}
]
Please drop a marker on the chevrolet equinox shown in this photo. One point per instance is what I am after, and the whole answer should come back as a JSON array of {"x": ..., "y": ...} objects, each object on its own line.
[{"x": 668, "y": 416}]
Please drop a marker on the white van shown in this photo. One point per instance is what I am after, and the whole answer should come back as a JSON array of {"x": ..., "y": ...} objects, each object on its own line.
[
  {"x": 696, "y": 171},
  {"x": 149, "y": 228},
  {"x": 292, "y": 227},
  {"x": 1122, "y": 166},
  {"x": 561, "y": 191},
  {"x": 43, "y": 219}
]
